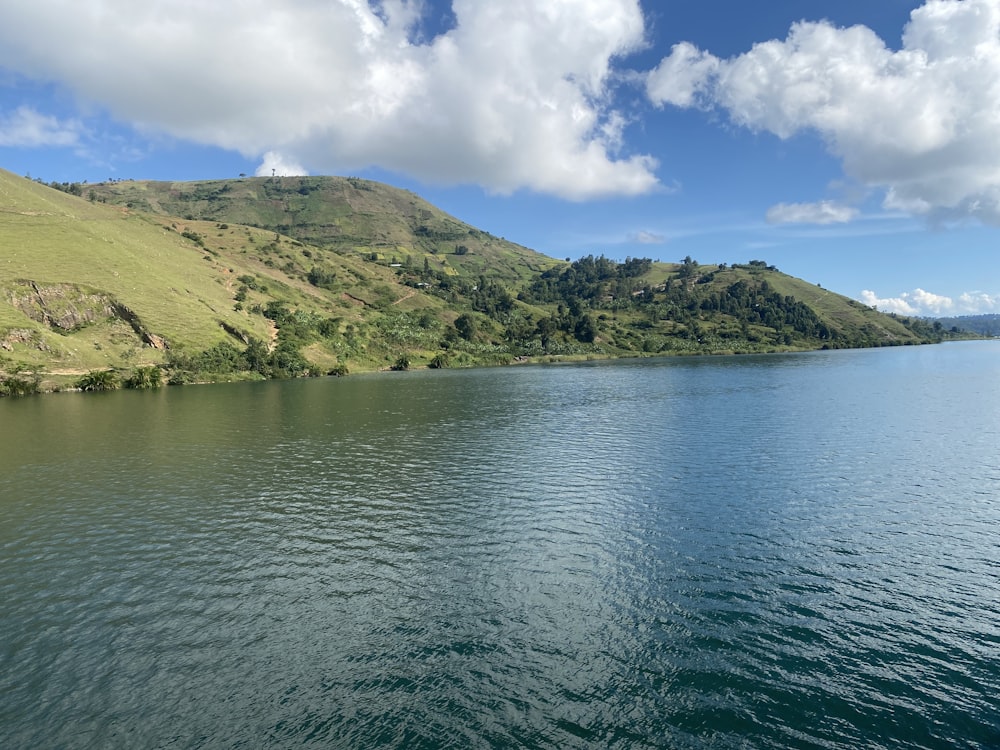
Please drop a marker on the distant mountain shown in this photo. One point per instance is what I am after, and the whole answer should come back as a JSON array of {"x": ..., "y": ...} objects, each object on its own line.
[
  {"x": 277, "y": 277},
  {"x": 984, "y": 325}
]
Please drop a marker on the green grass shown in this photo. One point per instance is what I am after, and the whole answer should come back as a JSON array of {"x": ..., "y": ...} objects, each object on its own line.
[
  {"x": 52, "y": 238},
  {"x": 339, "y": 213}
]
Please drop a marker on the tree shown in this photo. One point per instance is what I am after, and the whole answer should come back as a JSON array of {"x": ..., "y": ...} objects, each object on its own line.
[
  {"x": 585, "y": 330},
  {"x": 465, "y": 324},
  {"x": 688, "y": 269},
  {"x": 257, "y": 358}
]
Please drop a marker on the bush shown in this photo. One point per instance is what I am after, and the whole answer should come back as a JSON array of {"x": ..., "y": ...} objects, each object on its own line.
[
  {"x": 98, "y": 380},
  {"x": 14, "y": 385},
  {"x": 287, "y": 362},
  {"x": 144, "y": 378},
  {"x": 322, "y": 277},
  {"x": 441, "y": 361},
  {"x": 402, "y": 363}
]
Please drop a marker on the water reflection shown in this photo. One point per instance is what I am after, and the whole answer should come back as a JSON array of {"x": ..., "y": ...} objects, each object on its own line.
[{"x": 757, "y": 552}]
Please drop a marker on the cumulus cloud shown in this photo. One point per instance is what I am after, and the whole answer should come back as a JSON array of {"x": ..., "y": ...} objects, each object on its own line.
[
  {"x": 824, "y": 212},
  {"x": 277, "y": 164},
  {"x": 683, "y": 77},
  {"x": 515, "y": 95},
  {"x": 25, "y": 127},
  {"x": 898, "y": 305},
  {"x": 922, "y": 302},
  {"x": 918, "y": 123},
  {"x": 978, "y": 302}
]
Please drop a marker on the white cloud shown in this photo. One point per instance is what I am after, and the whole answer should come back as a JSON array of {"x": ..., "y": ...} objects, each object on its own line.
[
  {"x": 25, "y": 127},
  {"x": 922, "y": 302},
  {"x": 515, "y": 95},
  {"x": 276, "y": 164},
  {"x": 898, "y": 305},
  {"x": 682, "y": 77},
  {"x": 647, "y": 238},
  {"x": 919, "y": 123},
  {"x": 824, "y": 212},
  {"x": 971, "y": 303},
  {"x": 936, "y": 303}
]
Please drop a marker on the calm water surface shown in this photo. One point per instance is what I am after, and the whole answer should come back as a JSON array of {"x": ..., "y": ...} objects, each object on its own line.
[{"x": 754, "y": 552}]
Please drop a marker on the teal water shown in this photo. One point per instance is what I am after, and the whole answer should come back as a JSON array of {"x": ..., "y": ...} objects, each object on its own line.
[{"x": 749, "y": 552}]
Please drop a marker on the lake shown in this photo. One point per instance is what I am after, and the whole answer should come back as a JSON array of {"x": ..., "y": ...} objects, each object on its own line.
[{"x": 773, "y": 551}]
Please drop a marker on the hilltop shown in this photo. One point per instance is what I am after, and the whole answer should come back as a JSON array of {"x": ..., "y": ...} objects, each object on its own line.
[
  {"x": 342, "y": 214},
  {"x": 275, "y": 277}
]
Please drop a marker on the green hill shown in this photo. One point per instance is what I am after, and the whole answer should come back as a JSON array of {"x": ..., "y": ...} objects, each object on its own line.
[
  {"x": 292, "y": 276},
  {"x": 343, "y": 214},
  {"x": 983, "y": 325}
]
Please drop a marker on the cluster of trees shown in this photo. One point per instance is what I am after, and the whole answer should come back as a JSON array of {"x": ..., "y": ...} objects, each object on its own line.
[
  {"x": 590, "y": 278},
  {"x": 685, "y": 299},
  {"x": 491, "y": 298},
  {"x": 758, "y": 304},
  {"x": 984, "y": 325},
  {"x": 73, "y": 188},
  {"x": 225, "y": 358}
]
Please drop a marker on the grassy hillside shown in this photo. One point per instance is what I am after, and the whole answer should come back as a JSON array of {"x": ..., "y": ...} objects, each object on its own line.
[
  {"x": 86, "y": 285},
  {"x": 294, "y": 276},
  {"x": 67, "y": 262},
  {"x": 343, "y": 214}
]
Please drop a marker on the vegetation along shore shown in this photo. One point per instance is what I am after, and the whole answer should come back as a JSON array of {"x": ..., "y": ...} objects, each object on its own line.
[{"x": 136, "y": 284}]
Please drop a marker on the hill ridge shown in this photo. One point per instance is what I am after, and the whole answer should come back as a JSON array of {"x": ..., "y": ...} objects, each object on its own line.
[{"x": 272, "y": 277}]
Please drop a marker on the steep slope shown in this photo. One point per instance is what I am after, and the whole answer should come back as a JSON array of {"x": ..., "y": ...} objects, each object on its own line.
[
  {"x": 86, "y": 285},
  {"x": 344, "y": 214}
]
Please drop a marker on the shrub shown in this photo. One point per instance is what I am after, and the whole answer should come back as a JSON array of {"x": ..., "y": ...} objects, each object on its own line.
[
  {"x": 14, "y": 385},
  {"x": 144, "y": 378},
  {"x": 402, "y": 363},
  {"x": 98, "y": 380},
  {"x": 194, "y": 237},
  {"x": 322, "y": 277}
]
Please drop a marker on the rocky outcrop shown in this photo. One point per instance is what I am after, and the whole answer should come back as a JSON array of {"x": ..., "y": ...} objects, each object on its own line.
[
  {"x": 70, "y": 307},
  {"x": 21, "y": 336},
  {"x": 62, "y": 307},
  {"x": 151, "y": 339},
  {"x": 236, "y": 333}
]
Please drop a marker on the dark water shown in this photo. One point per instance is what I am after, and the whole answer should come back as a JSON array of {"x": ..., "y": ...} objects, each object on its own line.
[{"x": 758, "y": 552}]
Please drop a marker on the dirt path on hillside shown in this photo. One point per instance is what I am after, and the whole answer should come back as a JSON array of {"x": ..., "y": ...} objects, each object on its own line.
[{"x": 272, "y": 334}]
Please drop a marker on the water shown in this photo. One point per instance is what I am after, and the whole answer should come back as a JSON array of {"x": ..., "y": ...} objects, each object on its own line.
[{"x": 749, "y": 552}]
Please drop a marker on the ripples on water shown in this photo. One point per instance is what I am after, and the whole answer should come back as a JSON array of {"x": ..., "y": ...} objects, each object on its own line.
[{"x": 754, "y": 552}]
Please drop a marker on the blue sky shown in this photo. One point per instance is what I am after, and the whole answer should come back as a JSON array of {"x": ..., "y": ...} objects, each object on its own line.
[{"x": 854, "y": 144}]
